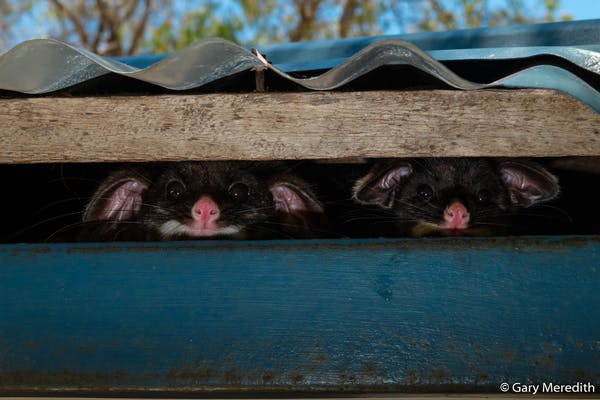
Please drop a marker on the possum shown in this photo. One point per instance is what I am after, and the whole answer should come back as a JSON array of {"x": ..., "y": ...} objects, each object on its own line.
[
  {"x": 455, "y": 196},
  {"x": 200, "y": 200}
]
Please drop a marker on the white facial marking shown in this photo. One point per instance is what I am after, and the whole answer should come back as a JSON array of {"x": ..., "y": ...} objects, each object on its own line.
[{"x": 174, "y": 227}]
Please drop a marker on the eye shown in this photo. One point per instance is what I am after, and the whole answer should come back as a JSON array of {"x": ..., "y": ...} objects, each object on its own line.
[
  {"x": 238, "y": 192},
  {"x": 425, "y": 192},
  {"x": 175, "y": 190},
  {"x": 484, "y": 196}
]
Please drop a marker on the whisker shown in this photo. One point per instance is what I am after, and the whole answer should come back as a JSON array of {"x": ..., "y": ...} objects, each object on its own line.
[
  {"x": 558, "y": 209},
  {"x": 53, "y": 204},
  {"x": 63, "y": 229},
  {"x": 40, "y": 223}
]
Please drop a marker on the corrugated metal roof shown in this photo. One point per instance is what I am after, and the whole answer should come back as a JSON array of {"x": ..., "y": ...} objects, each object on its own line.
[{"x": 563, "y": 56}]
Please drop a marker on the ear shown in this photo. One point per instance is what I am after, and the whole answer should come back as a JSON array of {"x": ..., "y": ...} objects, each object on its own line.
[
  {"x": 292, "y": 196},
  {"x": 297, "y": 210},
  {"x": 118, "y": 198},
  {"x": 527, "y": 182},
  {"x": 379, "y": 185}
]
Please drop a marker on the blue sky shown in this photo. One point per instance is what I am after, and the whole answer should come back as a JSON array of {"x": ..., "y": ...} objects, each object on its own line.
[
  {"x": 580, "y": 9},
  {"x": 576, "y": 9}
]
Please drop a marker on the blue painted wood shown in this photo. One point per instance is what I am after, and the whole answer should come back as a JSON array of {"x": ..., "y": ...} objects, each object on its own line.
[{"x": 426, "y": 314}]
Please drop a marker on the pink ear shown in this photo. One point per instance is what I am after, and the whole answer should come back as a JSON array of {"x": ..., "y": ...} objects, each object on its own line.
[
  {"x": 118, "y": 198},
  {"x": 527, "y": 182},
  {"x": 124, "y": 202},
  {"x": 379, "y": 185},
  {"x": 291, "y": 199}
]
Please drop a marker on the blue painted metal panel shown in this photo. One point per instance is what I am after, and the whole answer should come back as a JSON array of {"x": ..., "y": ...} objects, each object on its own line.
[
  {"x": 585, "y": 57},
  {"x": 403, "y": 315},
  {"x": 330, "y": 53}
]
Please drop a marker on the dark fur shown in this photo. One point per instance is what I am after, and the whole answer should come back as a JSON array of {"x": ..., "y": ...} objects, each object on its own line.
[
  {"x": 509, "y": 186},
  {"x": 258, "y": 216}
]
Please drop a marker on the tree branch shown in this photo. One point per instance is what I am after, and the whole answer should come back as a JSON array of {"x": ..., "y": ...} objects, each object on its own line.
[
  {"x": 101, "y": 26},
  {"x": 307, "y": 10},
  {"x": 131, "y": 10},
  {"x": 444, "y": 17},
  {"x": 138, "y": 32},
  {"x": 79, "y": 28},
  {"x": 348, "y": 17},
  {"x": 111, "y": 24}
]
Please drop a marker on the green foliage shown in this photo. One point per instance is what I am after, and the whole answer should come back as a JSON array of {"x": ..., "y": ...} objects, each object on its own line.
[{"x": 194, "y": 25}]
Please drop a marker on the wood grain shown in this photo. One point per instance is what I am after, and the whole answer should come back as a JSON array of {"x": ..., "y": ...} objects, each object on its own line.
[{"x": 324, "y": 125}]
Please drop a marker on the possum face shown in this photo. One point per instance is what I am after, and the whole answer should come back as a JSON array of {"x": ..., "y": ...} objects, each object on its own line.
[
  {"x": 205, "y": 200},
  {"x": 199, "y": 200},
  {"x": 455, "y": 196}
]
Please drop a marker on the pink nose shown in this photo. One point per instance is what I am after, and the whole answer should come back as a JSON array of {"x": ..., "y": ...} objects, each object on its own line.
[
  {"x": 457, "y": 216},
  {"x": 205, "y": 210}
]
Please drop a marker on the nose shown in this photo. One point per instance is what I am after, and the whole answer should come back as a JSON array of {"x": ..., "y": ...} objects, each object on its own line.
[
  {"x": 457, "y": 216},
  {"x": 205, "y": 210}
]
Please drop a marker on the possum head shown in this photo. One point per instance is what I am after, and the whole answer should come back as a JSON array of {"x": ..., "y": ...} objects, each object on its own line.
[
  {"x": 445, "y": 196},
  {"x": 198, "y": 200}
]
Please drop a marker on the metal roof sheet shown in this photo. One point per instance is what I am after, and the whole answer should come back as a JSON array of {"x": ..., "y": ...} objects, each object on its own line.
[{"x": 563, "y": 56}]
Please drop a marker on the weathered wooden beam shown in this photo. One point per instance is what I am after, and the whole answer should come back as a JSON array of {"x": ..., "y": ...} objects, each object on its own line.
[{"x": 326, "y": 125}]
